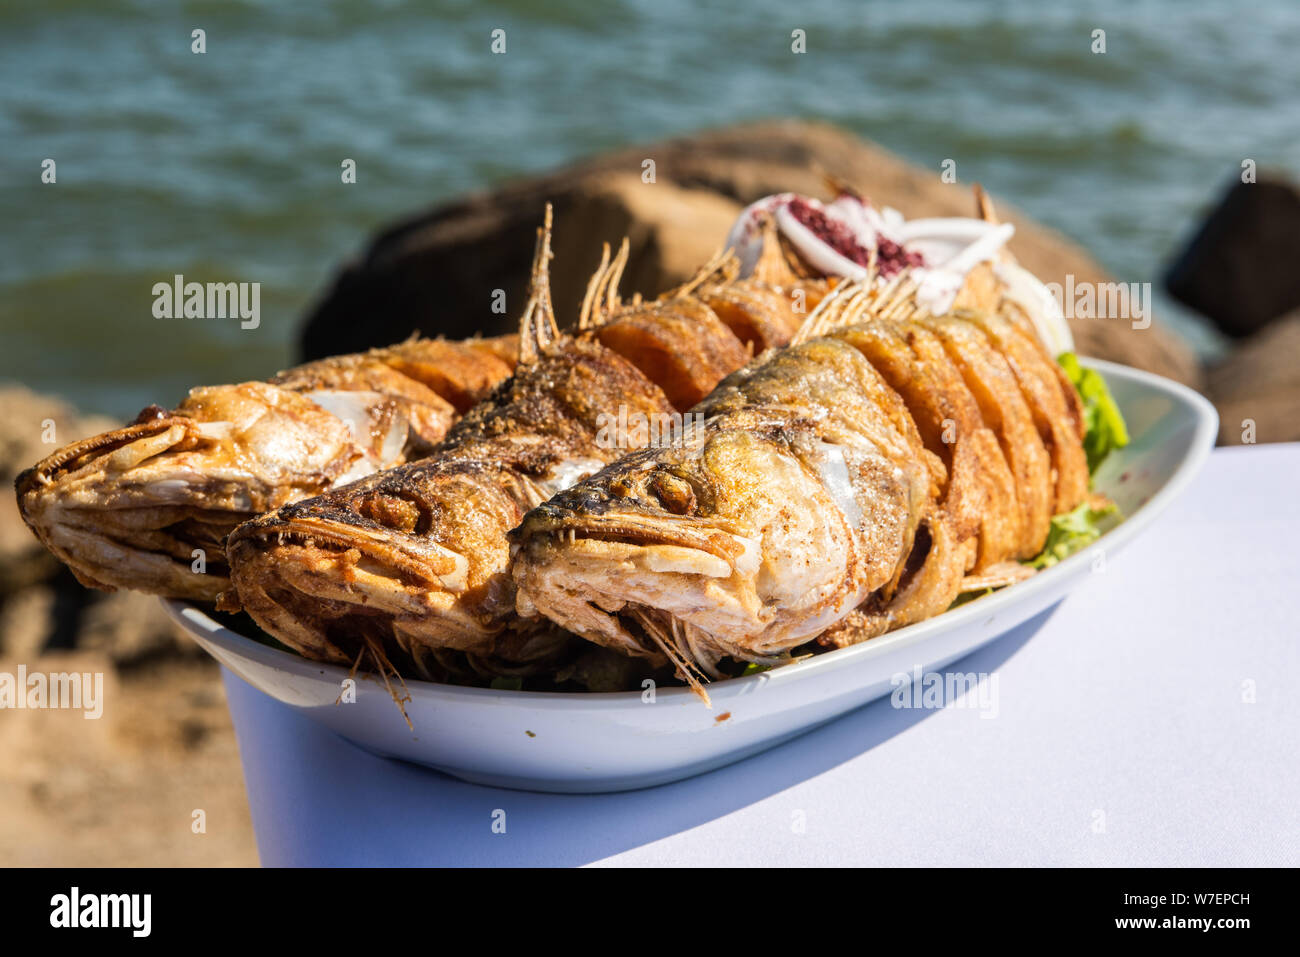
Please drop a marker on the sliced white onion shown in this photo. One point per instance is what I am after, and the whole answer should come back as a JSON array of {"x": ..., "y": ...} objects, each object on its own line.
[
  {"x": 745, "y": 239},
  {"x": 962, "y": 229},
  {"x": 936, "y": 289},
  {"x": 950, "y": 248},
  {"x": 938, "y": 286}
]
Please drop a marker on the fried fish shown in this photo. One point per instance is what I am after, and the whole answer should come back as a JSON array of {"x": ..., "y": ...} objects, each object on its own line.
[
  {"x": 412, "y": 563},
  {"x": 859, "y": 475},
  {"x": 411, "y": 566},
  {"x": 147, "y": 506}
]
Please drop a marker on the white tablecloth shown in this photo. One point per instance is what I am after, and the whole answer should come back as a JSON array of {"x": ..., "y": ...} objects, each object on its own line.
[{"x": 1148, "y": 719}]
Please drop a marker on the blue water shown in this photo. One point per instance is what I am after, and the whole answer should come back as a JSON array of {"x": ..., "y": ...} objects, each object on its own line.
[{"x": 226, "y": 165}]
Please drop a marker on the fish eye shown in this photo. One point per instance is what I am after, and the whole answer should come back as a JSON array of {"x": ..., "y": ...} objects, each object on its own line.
[{"x": 674, "y": 493}]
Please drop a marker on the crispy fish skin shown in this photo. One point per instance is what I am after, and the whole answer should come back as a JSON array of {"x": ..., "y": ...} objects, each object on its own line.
[
  {"x": 682, "y": 345},
  {"x": 853, "y": 477},
  {"x": 413, "y": 563},
  {"x": 688, "y": 339},
  {"x": 415, "y": 559},
  {"x": 782, "y": 514},
  {"x": 130, "y": 507}
]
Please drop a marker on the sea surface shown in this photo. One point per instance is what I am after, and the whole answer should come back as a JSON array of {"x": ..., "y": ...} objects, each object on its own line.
[{"x": 226, "y": 165}]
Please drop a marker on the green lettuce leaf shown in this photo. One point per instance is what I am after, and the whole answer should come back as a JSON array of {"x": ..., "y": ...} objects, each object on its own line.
[
  {"x": 1071, "y": 531},
  {"x": 970, "y": 596},
  {"x": 1106, "y": 430}
]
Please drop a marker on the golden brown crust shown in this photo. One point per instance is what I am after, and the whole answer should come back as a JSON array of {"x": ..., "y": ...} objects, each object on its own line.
[
  {"x": 146, "y": 507},
  {"x": 838, "y": 489},
  {"x": 761, "y": 317},
  {"x": 681, "y": 345},
  {"x": 463, "y": 373},
  {"x": 415, "y": 558},
  {"x": 1053, "y": 404},
  {"x": 1004, "y": 409}
]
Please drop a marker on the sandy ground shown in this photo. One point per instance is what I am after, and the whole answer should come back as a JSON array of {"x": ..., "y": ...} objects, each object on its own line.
[{"x": 123, "y": 789}]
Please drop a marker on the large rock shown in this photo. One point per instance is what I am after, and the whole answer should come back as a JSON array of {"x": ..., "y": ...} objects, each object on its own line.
[
  {"x": 1239, "y": 269},
  {"x": 436, "y": 272},
  {"x": 1257, "y": 388}
]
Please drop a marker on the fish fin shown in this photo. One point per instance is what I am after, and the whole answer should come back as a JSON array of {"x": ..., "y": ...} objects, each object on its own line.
[
  {"x": 861, "y": 300},
  {"x": 997, "y": 575},
  {"x": 819, "y": 320},
  {"x": 602, "y": 289},
  {"x": 529, "y": 347},
  {"x": 985, "y": 211},
  {"x": 772, "y": 266},
  {"x": 353, "y": 674},
  {"x": 612, "y": 299},
  {"x": 984, "y": 206},
  {"x": 722, "y": 267},
  {"x": 384, "y": 666},
  {"x": 538, "y": 329},
  {"x": 693, "y": 640},
  {"x": 586, "y": 318},
  {"x": 898, "y": 299},
  {"x": 830, "y": 312}
]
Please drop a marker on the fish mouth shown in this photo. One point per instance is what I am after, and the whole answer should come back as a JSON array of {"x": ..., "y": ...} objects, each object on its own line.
[
  {"x": 163, "y": 537},
  {"x": 409, "y": 559},
  {"x": 551, "y": 525},
  {"x": 147, "y": 507},
  {"x": 332, "y": 587},
  {"x": 73, "y": 456},
  {"x": 609, "y": 579},
  {"x": 618, "y": 611}
]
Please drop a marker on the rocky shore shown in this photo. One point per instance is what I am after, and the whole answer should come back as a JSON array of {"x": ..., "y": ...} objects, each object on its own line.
[{"x": 122, "y": 790}]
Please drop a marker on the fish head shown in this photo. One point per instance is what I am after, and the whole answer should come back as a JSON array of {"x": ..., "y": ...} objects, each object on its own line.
[
  {"x": 363, "y": 567},
  {"x": 700, "y": 551},
  {"x": 147, "y": 506}
]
